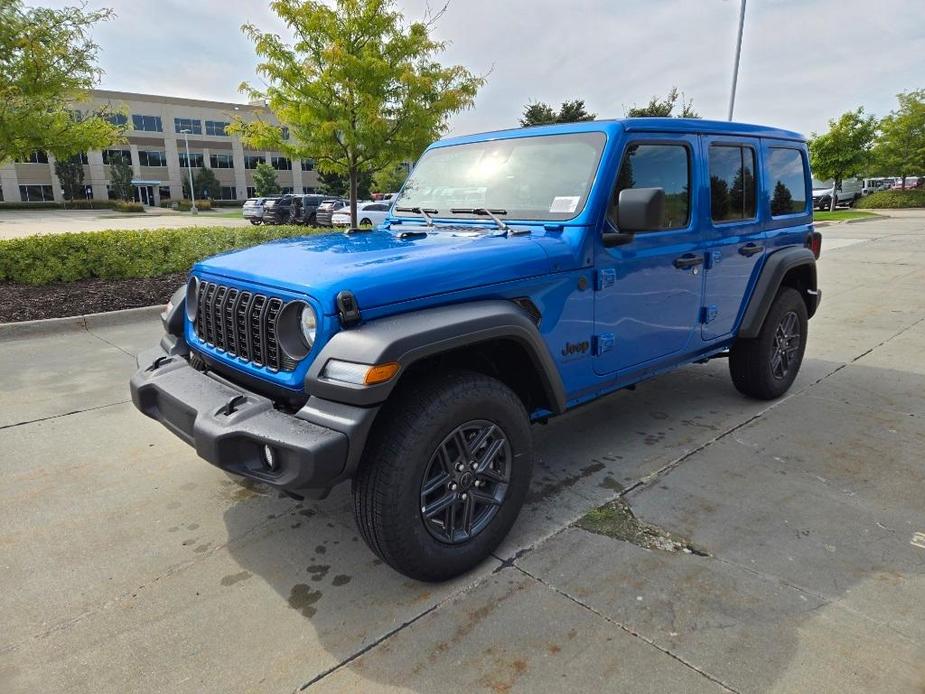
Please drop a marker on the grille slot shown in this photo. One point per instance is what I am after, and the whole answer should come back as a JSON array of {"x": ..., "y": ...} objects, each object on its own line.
[{"x": 242, "y": 324}]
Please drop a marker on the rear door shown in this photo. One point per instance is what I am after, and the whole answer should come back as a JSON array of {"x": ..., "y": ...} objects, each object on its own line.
[{"x": 734, "y": 235}]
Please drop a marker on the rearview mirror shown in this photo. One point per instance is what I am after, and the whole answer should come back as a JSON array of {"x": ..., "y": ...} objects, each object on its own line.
[{"x": 640, "y": 209}]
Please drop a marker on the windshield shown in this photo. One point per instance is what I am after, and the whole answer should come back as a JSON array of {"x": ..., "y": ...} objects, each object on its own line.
[
  {"x": 821, "y": 184},
  {"x": 545, "y": 177}
]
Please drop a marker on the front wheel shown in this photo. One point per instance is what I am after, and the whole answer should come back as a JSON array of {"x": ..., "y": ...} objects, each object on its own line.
[
  {"x": 446, "y": 473},
  {"x": 255, "y": 222},
  {"x": 764, "y": 367}
]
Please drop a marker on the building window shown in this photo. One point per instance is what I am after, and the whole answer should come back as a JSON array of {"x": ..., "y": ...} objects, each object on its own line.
[
  {"x": 251, "y": 192},
  {"x": 251, "y": 160},
  {"x": 35, "y": 193},
  {"x": 195, "y": 160},
  {"x": 284, "y": 132},
  {"x": 111, "y": 156},
  {"x": 732, "y": 183},
  {"x": 36, "y": 156},
  {"x": 787, "y": 179},
  {"x": 88, "y": 192},
  {"x": 147, "y": 123},
  {"x": 164, "y": 192},
  {"x": 281, "y": 163},
  {"x": 117, "y": 118},
  {"x": 308, "y": 189},
  {"x": 658, "y": 166},
  {"x": 221, "y": 161},
  {"x": 152, "y": 158},
  {"x": 228, "y": 193},
  {"x": 216, "y": 127},
  {"x": 308, "y": 165},
  {"x": 82, "y": 156},
  {"x": 194, "y": 125},
  {"x": 286, "y": 190}
]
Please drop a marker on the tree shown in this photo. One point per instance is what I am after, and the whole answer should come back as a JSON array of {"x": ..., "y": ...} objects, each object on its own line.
[
  {"x": 48, "y": 63},
  {"x": 782, "y": 201},
  {"x": 664, "y": 108},
  {"x": 265, "y": 179},
  {"x": 844, "y": 150},
  {"x": 390, "y": 179},
  {"x": 70, "y": 173},
  {"x": 339, "y": 185},
  {"x": 357, "y": 89},
  {"x": 207, "y": 185},
  {"x": 120, "y": 179},
  {"x": 900, "y": 149},
  {"x": 541, "y": 113}
]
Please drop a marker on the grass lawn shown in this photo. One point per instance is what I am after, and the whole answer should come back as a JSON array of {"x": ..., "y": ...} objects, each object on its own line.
[{"x": 841, "y": 215}]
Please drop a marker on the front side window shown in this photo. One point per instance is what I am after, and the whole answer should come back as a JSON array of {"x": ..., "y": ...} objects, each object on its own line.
[
  {"x": 541, "y": 177},
  {"x": 787, "y": 181},
  {"x": 732, "y": 183},
  {"x": 665, "y": 166}
]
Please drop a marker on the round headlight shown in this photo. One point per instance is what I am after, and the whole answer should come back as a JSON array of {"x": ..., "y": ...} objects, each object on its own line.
[
  {"x": 192, "y": 298},
  {"x": 309, "y": 324}
]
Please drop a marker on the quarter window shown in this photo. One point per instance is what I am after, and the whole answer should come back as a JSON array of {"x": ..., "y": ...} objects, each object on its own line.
[
  {"x": 732, "y": 183},
  {"x": 658, "y": 166},
  {"x": 787, "y": 181}
]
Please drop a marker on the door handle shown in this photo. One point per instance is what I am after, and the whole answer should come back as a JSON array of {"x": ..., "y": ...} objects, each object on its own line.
[
  {"x": 687, "y": 261},
  {"x": 750, "y": 249}
]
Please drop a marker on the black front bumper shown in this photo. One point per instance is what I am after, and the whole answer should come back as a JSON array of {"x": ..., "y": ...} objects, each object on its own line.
[{"x": 230, "y": 426}]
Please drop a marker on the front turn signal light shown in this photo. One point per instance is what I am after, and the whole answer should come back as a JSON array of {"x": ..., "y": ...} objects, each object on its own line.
[
  {"x": 380, "y": 373},
  {"x": 359, "y": 374}
]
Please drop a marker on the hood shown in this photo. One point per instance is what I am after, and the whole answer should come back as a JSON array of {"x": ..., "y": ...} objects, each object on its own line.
[
  {"x": 822, "y": 191},
  {"x": 379, "y": 267}
]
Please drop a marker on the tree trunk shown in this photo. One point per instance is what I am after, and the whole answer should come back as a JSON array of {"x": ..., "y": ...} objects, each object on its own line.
[
  {"x": 353, "y": 197},
  {"x": 904, "y": 182},
  {"x": 835, "y": 183}
]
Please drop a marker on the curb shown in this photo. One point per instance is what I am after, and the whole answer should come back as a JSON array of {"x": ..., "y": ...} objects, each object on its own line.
[{"x": 54, "y": 326}]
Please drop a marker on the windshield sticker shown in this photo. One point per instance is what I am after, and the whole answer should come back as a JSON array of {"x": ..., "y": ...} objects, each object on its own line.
[{"x": 564, "y": 203}]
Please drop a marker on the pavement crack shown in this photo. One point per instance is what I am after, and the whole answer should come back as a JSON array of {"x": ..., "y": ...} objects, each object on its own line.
[
  {"x": 111, "y": 344},
  {"x": 64, "y": 414},
  {"x": 628, "y": 630}
]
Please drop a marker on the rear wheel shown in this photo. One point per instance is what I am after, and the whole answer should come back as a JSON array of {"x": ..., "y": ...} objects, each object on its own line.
[
  {"x": 447, "y": 471},
  {"x": 765, "y": 367},
  {"x": 366, "y": 222},
  {"x": 255, "y": 222}
]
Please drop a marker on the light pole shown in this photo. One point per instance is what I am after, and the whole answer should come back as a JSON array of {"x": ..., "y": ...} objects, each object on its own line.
[
  {"x": 735, "y": 69},
  {"x": 189, "y": 170}
]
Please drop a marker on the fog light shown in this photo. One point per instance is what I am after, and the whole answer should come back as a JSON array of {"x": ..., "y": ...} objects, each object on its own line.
[{"x": 269, "y": 457}]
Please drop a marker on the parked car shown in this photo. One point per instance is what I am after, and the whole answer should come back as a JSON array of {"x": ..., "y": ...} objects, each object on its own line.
[
  {"x": 279, "y": 210},
  {"x": 849, "y": 192},
  {"x": 412, "y": 359},
  {"x": 370, "y": 213},
  {"x": 306, "y": 209},
  {"x": 910, "y": 182},
  {"x": 326, "y": 210},
  {"x": 254, "y": 208}
]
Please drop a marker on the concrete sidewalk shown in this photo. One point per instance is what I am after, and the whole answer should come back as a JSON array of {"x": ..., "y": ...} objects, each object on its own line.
[{"x": 128, "y": 564}]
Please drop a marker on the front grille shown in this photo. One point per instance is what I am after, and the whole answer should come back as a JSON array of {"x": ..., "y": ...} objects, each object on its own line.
[{"x": 242, "y": 324}]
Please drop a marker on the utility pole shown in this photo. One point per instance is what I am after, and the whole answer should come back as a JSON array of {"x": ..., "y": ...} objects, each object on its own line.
[
  {"x": 735, "y": 69},
  {"x": 189, "y": 170}
]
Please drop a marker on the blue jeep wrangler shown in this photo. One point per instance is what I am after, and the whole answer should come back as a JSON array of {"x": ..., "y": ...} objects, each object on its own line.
[{"x": 519, "y": 274}]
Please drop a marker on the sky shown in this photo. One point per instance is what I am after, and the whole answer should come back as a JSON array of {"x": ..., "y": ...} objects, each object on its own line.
[{"x": 803, "y": 61}]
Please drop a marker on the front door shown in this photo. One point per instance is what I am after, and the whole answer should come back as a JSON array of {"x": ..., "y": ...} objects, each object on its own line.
[
  {"x": 735, "y": 240},
  {"x": 649, "y": 289}
]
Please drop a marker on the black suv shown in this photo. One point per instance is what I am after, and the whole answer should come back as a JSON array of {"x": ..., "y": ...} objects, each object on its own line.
[
  {"x": 326, "y": 210},
  {"x": 305, "y": 209}
]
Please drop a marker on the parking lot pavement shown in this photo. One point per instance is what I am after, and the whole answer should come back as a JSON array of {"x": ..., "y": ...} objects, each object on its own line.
[
  {"x": 129, "y": 564},
  {"x": 16, "y": 223}
]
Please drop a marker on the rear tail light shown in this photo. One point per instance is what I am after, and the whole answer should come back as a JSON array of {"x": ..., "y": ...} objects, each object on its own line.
[{"x": 814, "y": 243}]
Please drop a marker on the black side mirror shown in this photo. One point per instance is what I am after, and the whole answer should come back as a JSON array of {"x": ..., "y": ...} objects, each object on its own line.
[{"x": 640, "y": 209}]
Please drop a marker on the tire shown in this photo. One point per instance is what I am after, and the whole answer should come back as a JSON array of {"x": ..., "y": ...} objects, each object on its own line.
[
  {"x": 759, "y": 369},
  {"x": 366, "y": 222},
  {"x": 255, "y": 222},
  {"x": 403, "y": 459}
]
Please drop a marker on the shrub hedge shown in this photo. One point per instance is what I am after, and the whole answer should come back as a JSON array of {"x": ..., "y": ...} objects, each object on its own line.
[
  {"x": 123, "y": 254},
  {"x": 129, "y": 206},
  {"x": 892, "y": 199}
]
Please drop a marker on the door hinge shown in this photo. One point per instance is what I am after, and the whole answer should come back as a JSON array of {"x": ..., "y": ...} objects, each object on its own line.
[
  {"x": 708, "y": 313},
  {"x": 605, "y": 277},
  {"x": 603, "y": 343},
  {"x": 713, "y": 257}
]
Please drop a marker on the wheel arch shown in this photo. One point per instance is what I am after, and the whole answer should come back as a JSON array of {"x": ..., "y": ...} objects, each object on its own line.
[{"x": 789, "y": 267}]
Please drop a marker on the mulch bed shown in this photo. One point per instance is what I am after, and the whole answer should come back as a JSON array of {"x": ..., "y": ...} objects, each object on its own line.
[{"x": 20, "y": 302}]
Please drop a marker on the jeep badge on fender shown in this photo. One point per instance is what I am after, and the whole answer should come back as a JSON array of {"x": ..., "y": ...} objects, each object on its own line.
[{"x": 517, "y": 274}]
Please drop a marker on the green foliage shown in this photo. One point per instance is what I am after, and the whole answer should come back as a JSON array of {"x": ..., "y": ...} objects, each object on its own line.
[
  {"x": 540, "y": 113},
  {"x": 48, "y": 62},
  {"x": 391, "y": 178},
  {"x": 71, "y": 174},
  {"x": 900, "y": 148},
  {"x": 121, "y": 254},
  {"x": 186, "y": 205},
  {"x": 358, "y": 89},
  {"x": 122, "y": 206},
  {"x": 207, "y": 185},
  {"x": 782, "y": 201},
  {"x": 893, "y": 199},
  {"x": 664, "y": 108},
  {"x": 843, "y": 151},
  {"x": 120, "y": 179},
  {"x": 265, "y": 179},
  {"x": 72, "y": 205},
  {"x": 338, "y": 185}
]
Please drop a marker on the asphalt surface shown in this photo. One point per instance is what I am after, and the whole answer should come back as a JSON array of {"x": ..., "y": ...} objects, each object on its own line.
[{"x": 127, "y": 564}]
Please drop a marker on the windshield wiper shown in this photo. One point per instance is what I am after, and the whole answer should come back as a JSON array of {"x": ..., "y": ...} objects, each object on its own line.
[
  {"x": 425, "y": 212},
  {"x": 484, "y": 212}
]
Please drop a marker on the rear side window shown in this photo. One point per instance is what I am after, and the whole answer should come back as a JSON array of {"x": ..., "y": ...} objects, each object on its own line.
[
  {"x": 787, "y": 181},
  {"x": 658, "y": 166},
  {"x": 732, "y": 183}
]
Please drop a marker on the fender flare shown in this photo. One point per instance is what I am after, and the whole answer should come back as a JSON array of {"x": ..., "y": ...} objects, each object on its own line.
[
  {"x": 777, "y": 265},
  {"x": 410, "y": 337}
]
